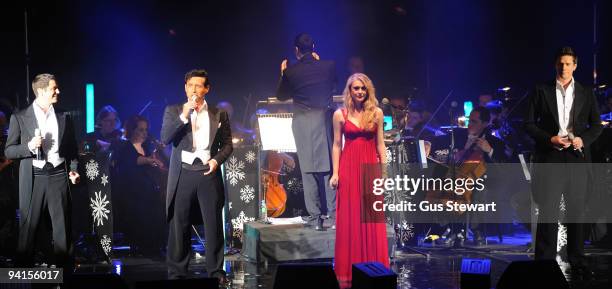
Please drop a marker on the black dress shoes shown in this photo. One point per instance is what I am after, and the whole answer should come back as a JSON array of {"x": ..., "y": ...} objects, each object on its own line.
[{"x": 319, "y": 225}]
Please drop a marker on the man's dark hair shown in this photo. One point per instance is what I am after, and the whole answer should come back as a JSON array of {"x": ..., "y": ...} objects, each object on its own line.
[
  {"x": 304, "y": 43},
  {"x": 198, "y": 73},
  {"x": 566, "y": 51},
  {"x": 483, "y": 113},
  {"x": 41, "y": 81}
]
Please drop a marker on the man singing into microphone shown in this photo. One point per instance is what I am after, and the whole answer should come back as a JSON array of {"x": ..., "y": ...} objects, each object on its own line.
[
  {"x": 201, "y": 141},
  {"x": 563, "y": 119},
  {"x": 43, "y": 139}
]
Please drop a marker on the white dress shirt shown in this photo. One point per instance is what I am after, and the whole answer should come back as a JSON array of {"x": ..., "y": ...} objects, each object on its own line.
[
  {"x": 47, "y": 123},
  {"x": 565, "y": 99},
  {"x": 201, "y": 136}
]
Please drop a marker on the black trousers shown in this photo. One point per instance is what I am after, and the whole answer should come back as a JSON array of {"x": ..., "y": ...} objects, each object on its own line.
[
  {"x": 567, "y": 174},
  {"x": 194, "y": 187},
  {"x": 49, "y": 195}
]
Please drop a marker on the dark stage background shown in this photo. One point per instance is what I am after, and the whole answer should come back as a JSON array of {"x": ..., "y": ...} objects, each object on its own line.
[{"x": 138, "y": 51}]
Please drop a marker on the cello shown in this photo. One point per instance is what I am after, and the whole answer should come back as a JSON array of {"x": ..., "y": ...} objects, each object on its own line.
[
  {"x": 276, "y": 196},
  {"x": 467, "y": 164}
]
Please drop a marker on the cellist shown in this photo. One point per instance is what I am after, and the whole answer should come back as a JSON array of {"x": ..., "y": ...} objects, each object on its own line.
[{"x": 478, "y": 146}]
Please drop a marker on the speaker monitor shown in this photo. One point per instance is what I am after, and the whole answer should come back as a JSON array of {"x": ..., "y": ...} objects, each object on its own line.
[
  {"x": 475, "y": 273},
  {"x": 533, "y": 274},
  {"x": 373, "y": 275},
  {"x": 306, "y": 276}
]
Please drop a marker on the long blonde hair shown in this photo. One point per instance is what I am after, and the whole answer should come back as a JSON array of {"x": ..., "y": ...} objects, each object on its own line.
[{"x": 368, "y": 118}]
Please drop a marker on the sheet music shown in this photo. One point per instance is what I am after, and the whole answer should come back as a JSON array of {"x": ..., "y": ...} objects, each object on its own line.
[{"x": 275, "y": 132}]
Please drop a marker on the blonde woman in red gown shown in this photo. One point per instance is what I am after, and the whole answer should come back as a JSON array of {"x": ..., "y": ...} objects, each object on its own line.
[{"x": 358, "y": 238}]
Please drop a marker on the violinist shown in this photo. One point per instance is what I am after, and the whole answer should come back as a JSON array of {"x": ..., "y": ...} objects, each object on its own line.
[
  {"x": 137, "y": 201},
  {"x": 107, "y": 134}
]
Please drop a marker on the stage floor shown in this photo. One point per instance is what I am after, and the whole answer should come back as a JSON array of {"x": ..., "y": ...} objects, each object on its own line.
[{"x": 417, "y": 267}]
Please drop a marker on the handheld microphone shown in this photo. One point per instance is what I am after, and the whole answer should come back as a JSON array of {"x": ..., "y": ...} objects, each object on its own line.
[
  {"x": 571, "y": 138},
  {"x": 193, "y": 99},
  {"x": 38, "y": 154}
]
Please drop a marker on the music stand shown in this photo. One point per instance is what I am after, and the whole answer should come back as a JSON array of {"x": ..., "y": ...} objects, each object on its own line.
[{"x": 275, "y": 134}]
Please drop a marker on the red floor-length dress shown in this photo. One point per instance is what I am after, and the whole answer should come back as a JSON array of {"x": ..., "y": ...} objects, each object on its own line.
[{"x": 356, "y": 241}]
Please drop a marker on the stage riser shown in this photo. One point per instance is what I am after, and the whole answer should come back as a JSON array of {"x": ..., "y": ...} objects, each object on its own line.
[{"x": 283, "y": 243}]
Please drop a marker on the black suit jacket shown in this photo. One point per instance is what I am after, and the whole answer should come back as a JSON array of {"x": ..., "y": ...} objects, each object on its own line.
[
  {"x": 542, "y": 120},
  {"x": 21, "y": 131},
  {"x": 310, "y": 83},
  {"x": 179, "y": 134}
]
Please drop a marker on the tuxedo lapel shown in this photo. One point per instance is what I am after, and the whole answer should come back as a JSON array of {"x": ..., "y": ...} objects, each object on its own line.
[
  {"x": 61, "y": 125},
  {"x": 579, "y": 98},
  {"x": 29, "y": 120},
  {"x": 214, "y": 123},
  {"x": 550, "y": 94}
]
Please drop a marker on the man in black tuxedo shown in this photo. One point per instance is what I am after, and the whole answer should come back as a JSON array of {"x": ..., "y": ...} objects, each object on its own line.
[
  {"x": 201, "y": 140},
  {"x": 563, "y": 119},
  {"x": 43, "y": 139},
  {"x": 310, "y": 83}
]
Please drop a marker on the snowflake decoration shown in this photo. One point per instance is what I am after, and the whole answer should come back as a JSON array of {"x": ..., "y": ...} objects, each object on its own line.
[
  {"x": 235, "y": 171},
  {"x": 562, "y": 204},
  {"x": 395, "y": 197},
  {"x": 247, "y": 194},
  {"x": 404, "y": 271},
  {"x": 104, "y": 180},
  {"x": 389, "y": 155},
  {"x": 288, "y": 169},
  {"x": 403, "y": 277},
  {"x": 249, "y": 157},
  {"x": 294, "y": 186},
  {"x": 406, "y": 231},
  {"x": 229, "y": 205},
  {"x": 91, "y": 169},
  {"x": 238, "y": 223},
  {"x": 106, "y": 244},
  {"x": 99, "y": 211},
  {"x": 561, "y": 237}
]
